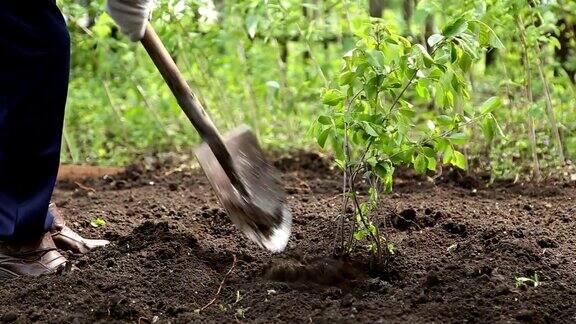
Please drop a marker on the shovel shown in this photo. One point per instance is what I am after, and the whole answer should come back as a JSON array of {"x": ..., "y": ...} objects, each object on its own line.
[{"x": 247, "y": 186}]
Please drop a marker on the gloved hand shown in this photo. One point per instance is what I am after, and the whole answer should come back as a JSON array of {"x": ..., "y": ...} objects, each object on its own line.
[{"x": 130, "y": 15}]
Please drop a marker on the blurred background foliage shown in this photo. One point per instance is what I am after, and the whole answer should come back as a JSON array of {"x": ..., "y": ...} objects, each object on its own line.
[{"x": 266, "y": 63}]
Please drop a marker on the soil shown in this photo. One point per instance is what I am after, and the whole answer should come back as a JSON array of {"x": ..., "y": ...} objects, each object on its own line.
[{"x": 460, "y": 246}]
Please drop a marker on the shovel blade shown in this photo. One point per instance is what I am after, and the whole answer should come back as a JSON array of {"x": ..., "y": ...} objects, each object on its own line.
[{"x": 262, "y": 215}]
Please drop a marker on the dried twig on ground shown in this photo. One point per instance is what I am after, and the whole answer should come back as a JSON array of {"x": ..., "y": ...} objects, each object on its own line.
[
  {"x": 221, "y": 284},
  {"x": 83, "y": 187}
]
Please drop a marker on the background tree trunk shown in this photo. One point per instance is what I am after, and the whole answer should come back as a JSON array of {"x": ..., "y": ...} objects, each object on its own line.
[
  {"x": 407, "y": 11},
  {"x": 376, "y": 8},
  {"x": 567, "y": 32}
]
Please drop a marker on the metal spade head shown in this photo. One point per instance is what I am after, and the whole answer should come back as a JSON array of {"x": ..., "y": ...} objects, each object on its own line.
[{"x": 262, "y": 214}]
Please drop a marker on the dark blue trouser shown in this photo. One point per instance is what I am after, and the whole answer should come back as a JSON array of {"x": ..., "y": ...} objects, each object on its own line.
[{"x": 34, "y": 69}]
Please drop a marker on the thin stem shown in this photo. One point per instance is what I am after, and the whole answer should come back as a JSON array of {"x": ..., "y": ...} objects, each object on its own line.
[
  {"x": 403, "y": 90},
  {"x": 115, "y": 108},
  {"x": 346, "y": 152},
  {"x": 364, "y": 220},
  {"x": 248, "y": 89},
  {"x": 344, "y": 187},
  {"x": 528, "y": 90},
  {"x": 70, "y": 145},
  {"x": 148, "y": 105},
  {"x": 410, "y": 81},
  {"x": 549, "y": 108}
]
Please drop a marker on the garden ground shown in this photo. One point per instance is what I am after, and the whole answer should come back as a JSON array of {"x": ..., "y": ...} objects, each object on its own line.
[{"x": 460, "y": 247}]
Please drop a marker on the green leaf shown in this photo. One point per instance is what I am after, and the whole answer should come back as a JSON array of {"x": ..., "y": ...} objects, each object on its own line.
[
  {"x": 493, "y": 39},
  {"x": 372, "y": 161},
  {"x": 498, "y": 128},
  {"x": 445, "y": 120},
  {"x": 321, "y": 139},
  {"x": 465, "y": 61},
  {"x": 448, "y": 98},
  {"x": 441, "y": 144},
  {"x": 376, "y": 59},
  {"x": 448, "y": 154},
  {"x": 369, "y": 129},
  {"x": 428, "y": 61},
  {"x": 489, "y": 105},
  {"x": 346, "y": 78},
  {"x": 360, "y": 234},
  {"x": 456, "y": 84},
  {"x": 332, "y": 97},
  {"x": 325, "y": 120},
  {"x": 422, "y": 91},
  {"x": 391, "y": 40},
  {"x": 361, "y": 68},
  {"x": 459, "y": 160},
  {"x": 554, "y": 42},
  {"x": 469, "y": 45},
  {"x": 407, "y": 113},
  {"x": 453, "y": 53},
  {"x": 406, "y": 156},
  {"x": 441, "y": 60},
  {"x": 458, "y": 138},
  {"x": 98, "y": 222},
  {"x": 488, "y": 129},
  {"x": 420, "y": 163},
  {"x": 455, "y": 28},
  {"x": 496, "y": 125},
  {"x": 373, "y": 86},
  {"x": 383, "y": 170},
  {"x": 359, "y": 26},
  {"x": 434, "y": 39},
  {"x": 337, "y": 146},
  {"x": 432, "y": 163},
  {"x": 429, "y": 152}
]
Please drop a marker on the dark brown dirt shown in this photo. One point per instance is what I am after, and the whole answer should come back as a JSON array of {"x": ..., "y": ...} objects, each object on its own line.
[{"x": 460, "y": 247}]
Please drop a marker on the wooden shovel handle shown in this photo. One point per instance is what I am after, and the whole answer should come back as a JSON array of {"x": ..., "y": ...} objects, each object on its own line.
[{"x": 189, "y": 103}]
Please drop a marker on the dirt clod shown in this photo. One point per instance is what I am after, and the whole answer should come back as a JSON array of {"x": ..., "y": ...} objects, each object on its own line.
[
  {"x": 404, "y": 220},
  {"x": 9, "y": 317},
  {"x": 547, "y": 243},
  {"x": 322, "y": 271},
  {"x": 432, "y": 280},
  {"x": 453, "y": 227}
]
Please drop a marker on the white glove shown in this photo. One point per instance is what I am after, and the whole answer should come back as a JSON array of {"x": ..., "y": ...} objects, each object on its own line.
[{"x": 131, "y": 16}]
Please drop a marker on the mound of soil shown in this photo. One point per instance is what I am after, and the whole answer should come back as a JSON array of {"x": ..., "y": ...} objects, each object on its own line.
[{"x": 460, "y": 248}]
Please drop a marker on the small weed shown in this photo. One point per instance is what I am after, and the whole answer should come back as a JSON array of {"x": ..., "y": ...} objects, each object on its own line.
[
  {"x": 525, "y": 281},
  {"x": 98, "y": 222},
  {"x": 452, "y": 247},
  {"x": 241, "y": 312},
  {"x": 238, "y": 297},
  {"x": 392, "y": 249}
]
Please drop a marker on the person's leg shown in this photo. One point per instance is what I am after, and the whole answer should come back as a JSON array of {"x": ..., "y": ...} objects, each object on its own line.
[{"x": 34, "y": 69}]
